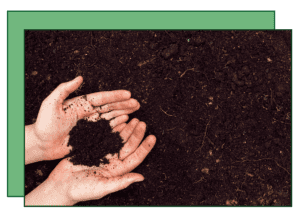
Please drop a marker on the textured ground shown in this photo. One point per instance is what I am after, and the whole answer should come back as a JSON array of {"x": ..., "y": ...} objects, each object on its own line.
[{"x": 219, "y": 103}]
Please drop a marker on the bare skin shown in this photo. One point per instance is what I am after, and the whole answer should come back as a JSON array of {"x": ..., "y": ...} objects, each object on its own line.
[
  {"x": 69, "y": 184},
  {"x": 47, "y": 138}
]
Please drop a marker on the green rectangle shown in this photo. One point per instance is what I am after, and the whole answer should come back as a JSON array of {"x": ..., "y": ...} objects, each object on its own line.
[{"x": 18, "y": 21}]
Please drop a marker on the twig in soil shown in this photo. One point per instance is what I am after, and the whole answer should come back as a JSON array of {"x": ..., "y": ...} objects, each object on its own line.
[
  {"x": 165, "y": 112},
  {"x": 272, "y": 98},
  {"x": 95, "y": 52},
  {"x": 171, "y": 129},
  {"x": 204, "y": 136},
  {"x": 92, "y": 64},
  {"x": 192, "y": 69},
  {"x": 199, "y": 180},
  {"x": 168, "y": 33},
  {"x": 95, "y": 60},
  {"x": 210, "y": 141},
  {"x": 281, "y": 121},
  {"x": 175, "y": 128},
  {"x": 145, "y": 62},
  {"x": 264, "y": 159}
]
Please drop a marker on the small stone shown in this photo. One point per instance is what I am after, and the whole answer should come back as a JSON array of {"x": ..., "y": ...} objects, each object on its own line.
[{"x": 205, "y": 170}]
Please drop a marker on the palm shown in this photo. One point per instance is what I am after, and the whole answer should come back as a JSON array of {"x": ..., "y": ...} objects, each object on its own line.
[
  {"x": 86, "y": 183},
  {"x": 51, "y": 119},
  {"x": 58, "y": 116}
]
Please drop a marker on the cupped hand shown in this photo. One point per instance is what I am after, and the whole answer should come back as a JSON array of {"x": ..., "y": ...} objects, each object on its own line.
[
  {"x": 58, "y": 116},
  {"x": 77, "y": 183}
]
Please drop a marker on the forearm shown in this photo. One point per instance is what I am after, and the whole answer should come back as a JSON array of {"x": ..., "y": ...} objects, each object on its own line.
[
  {"x": 32, "y": 151},
  {"x": 47, "y": 194}
]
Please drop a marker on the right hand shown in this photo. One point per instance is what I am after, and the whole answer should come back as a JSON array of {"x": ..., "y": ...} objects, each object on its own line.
[
  {"x": 58, "y": 116},
  {"x": 82, "y": 183}
]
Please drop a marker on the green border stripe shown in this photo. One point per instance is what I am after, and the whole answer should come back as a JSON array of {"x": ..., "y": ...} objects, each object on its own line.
[
  {"x": 18, "y": 21},
  {"x": 145, "y": 20}
]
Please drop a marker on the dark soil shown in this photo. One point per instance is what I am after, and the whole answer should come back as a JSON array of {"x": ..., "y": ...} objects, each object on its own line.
[
  {"x": 92, "y": 141},
  {"x": 218, "y": 102}
]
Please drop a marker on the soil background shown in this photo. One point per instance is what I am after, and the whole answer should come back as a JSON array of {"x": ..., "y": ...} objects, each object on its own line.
[{"x": 218, "y": 102}]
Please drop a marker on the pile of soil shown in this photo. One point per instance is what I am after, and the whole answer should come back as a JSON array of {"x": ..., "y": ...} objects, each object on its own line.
[
  {"x": 92, "y": 141},
  {"x": 218, "y": 102}
]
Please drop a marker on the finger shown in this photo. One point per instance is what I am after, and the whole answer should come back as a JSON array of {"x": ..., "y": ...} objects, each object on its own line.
[
  {"x": 84, "y": 107},
  {"x": 113, "y": 123},
  {"x": 116, "y": 113},
  {"x": 128, "y": 130},
  {"x": 119, "y": 120},
  {"x": 80, "y": 106},
  {"x": 119, "y": 128},
  {"x": 93, "y": 118},
  {"x": 133, "y": 142},
  {"x": 136, "y": 158},
  {"x": 127, "y": 104},
  {"x": 65, "y": 89},
  {"x": 105, "y": 97}
]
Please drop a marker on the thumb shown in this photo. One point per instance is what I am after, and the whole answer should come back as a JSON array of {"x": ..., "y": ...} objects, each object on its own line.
[
  {"x": 121, "y": 182},
  {"x": 65, "y": 89}
]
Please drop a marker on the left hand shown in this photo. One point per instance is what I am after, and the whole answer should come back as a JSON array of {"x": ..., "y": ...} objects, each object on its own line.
[
  {"x": 58, "y": 116},
  {"x": 69, "y": 184}
]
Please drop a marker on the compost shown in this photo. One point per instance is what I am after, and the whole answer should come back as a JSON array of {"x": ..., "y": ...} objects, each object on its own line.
[
  {"x": 92, "y": 141},
  {"x": 218, "y": 102}
]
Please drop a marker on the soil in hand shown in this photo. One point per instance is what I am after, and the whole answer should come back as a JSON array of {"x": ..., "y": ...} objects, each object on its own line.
[{"x": 92, "y": 141}]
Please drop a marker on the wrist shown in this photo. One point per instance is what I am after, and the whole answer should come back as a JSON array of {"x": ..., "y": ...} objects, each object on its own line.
[
  {"x": 33, "y": 152},
  {"x": 49, "y": 193}
]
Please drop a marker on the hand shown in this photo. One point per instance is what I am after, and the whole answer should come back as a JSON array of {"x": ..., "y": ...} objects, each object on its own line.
[
  {"x": 57, "y": 117},
  {"x": 69, "y": 184}
]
